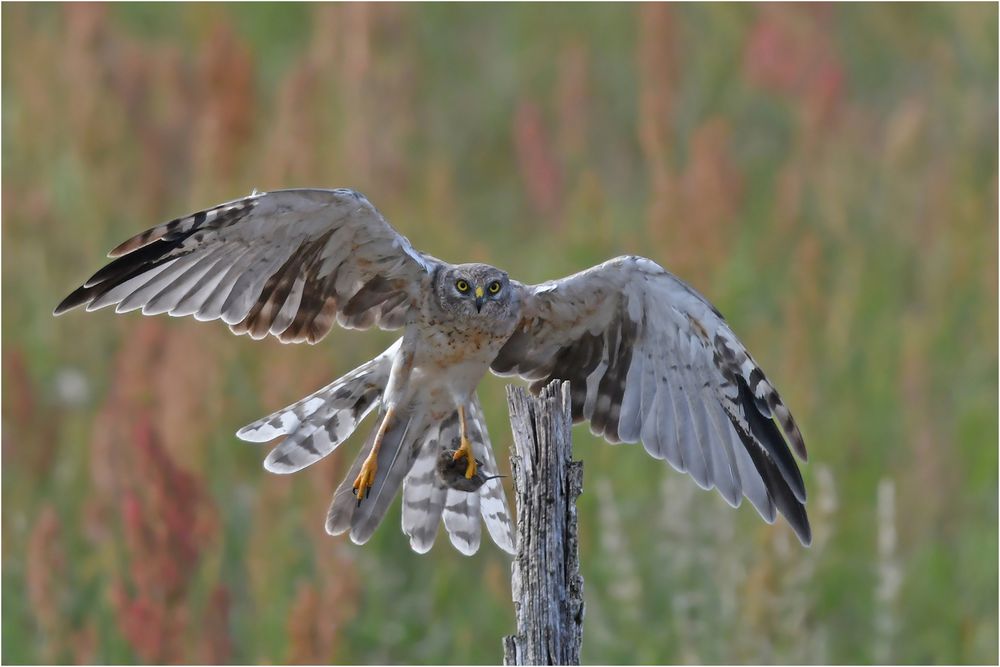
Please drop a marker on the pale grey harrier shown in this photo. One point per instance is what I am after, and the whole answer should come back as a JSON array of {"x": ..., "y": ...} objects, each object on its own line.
[{"x": 648, "y": 358}]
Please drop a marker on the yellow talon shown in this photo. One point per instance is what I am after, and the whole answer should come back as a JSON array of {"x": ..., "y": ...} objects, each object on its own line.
[
  {"x": 466, "y": 448},
  {"x": 366, "y": 478},
  {"x": 470, "y": 460}
]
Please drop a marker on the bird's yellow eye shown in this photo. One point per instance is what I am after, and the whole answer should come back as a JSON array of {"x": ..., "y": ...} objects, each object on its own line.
[
  {"x": 462, "y": 286},
  {"x": 494, "y": 287}
]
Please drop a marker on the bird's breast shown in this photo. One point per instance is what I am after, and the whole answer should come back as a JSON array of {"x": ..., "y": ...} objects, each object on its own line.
[{"x": 453, "y": 356}]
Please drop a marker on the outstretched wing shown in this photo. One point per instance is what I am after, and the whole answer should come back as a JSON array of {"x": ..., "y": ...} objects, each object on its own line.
[
  {"x": 648, "y": 358},
  {"x": 287, "y": 263}
]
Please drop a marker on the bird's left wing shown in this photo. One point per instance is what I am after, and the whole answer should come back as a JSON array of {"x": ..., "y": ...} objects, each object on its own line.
[
  {"x": 650, "y": 359},
  {"x": 288, "y": 263}
]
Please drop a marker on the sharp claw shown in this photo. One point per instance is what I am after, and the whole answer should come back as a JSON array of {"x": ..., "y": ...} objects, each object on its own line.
[
  {"x": 366, "y": 476},
  {"x": 364, "y": 482},
  {"x": 361, "y": 492}
]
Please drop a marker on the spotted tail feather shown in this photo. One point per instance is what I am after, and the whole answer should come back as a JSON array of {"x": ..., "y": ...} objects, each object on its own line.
[
  {"x": 400, "y": 446},
  {"x": 427, "y": 501},
  {"x": 492, "y": 500}
]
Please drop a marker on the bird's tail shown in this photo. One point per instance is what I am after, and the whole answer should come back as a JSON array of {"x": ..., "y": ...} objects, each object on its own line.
[
  {"x": 427, "y": 500},
  {"x": 317, "y": 424},
  {"x": 320, "y": 422},
  {"x": 401, "y": 444},
  {"x": 408, "y": 457}
]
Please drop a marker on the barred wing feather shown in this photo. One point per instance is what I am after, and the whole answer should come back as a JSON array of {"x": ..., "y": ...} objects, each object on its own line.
[
  {"x": 288, "y": 263},
  {"x": 650, "y": 359}
]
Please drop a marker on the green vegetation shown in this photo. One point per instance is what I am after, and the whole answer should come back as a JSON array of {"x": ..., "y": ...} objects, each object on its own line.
[{"x": 827, "y": 175}]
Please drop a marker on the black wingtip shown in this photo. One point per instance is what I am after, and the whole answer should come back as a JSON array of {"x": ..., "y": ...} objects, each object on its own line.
[
  {"x": 76, "y": 298},
  {"x": 804, "y": 531},
  {"x": 773, "y": 460},
  {"x": 795, "y": 514},
  {"x": 778, "y": 489},
  {"x": 767, "y": 434}
]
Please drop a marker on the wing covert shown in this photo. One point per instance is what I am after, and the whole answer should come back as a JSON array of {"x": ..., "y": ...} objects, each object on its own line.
[
  {"x": 649, "y": 359},
  {"x": 288, "y": 263}
]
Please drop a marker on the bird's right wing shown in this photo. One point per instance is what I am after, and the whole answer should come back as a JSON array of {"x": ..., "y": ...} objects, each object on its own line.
[{"x": 288, "y": 263}]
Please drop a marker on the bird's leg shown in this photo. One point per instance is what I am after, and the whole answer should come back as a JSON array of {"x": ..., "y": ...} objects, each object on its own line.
[
  {"x": 466, "y": 448},
  {"x": 363, "y": 482}
]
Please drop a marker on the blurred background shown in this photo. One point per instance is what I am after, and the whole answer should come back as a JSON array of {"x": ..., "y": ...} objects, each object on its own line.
[{"x": 826, "y": 175}]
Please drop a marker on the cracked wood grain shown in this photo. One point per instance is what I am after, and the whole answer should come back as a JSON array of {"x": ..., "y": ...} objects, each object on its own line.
[{"x": 546, "y": 583}]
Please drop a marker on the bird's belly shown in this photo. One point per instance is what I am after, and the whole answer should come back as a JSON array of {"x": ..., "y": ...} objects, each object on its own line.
[
  {"x": 449, "y": 365},
  {"x": 443, "y": 389}
]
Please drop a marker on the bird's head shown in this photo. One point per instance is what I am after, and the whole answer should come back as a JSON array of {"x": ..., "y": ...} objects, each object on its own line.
[{"x": 475, "y": 290}]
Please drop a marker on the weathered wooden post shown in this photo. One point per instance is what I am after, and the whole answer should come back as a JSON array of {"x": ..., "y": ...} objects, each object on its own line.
[{"x": 546, "y": 582}]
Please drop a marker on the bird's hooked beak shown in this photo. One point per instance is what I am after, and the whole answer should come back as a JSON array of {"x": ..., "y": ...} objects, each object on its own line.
[{"x": 479, "y": 298}]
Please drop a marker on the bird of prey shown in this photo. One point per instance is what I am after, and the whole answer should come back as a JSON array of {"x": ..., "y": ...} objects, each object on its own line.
[{"x": 648, "y": 358}]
